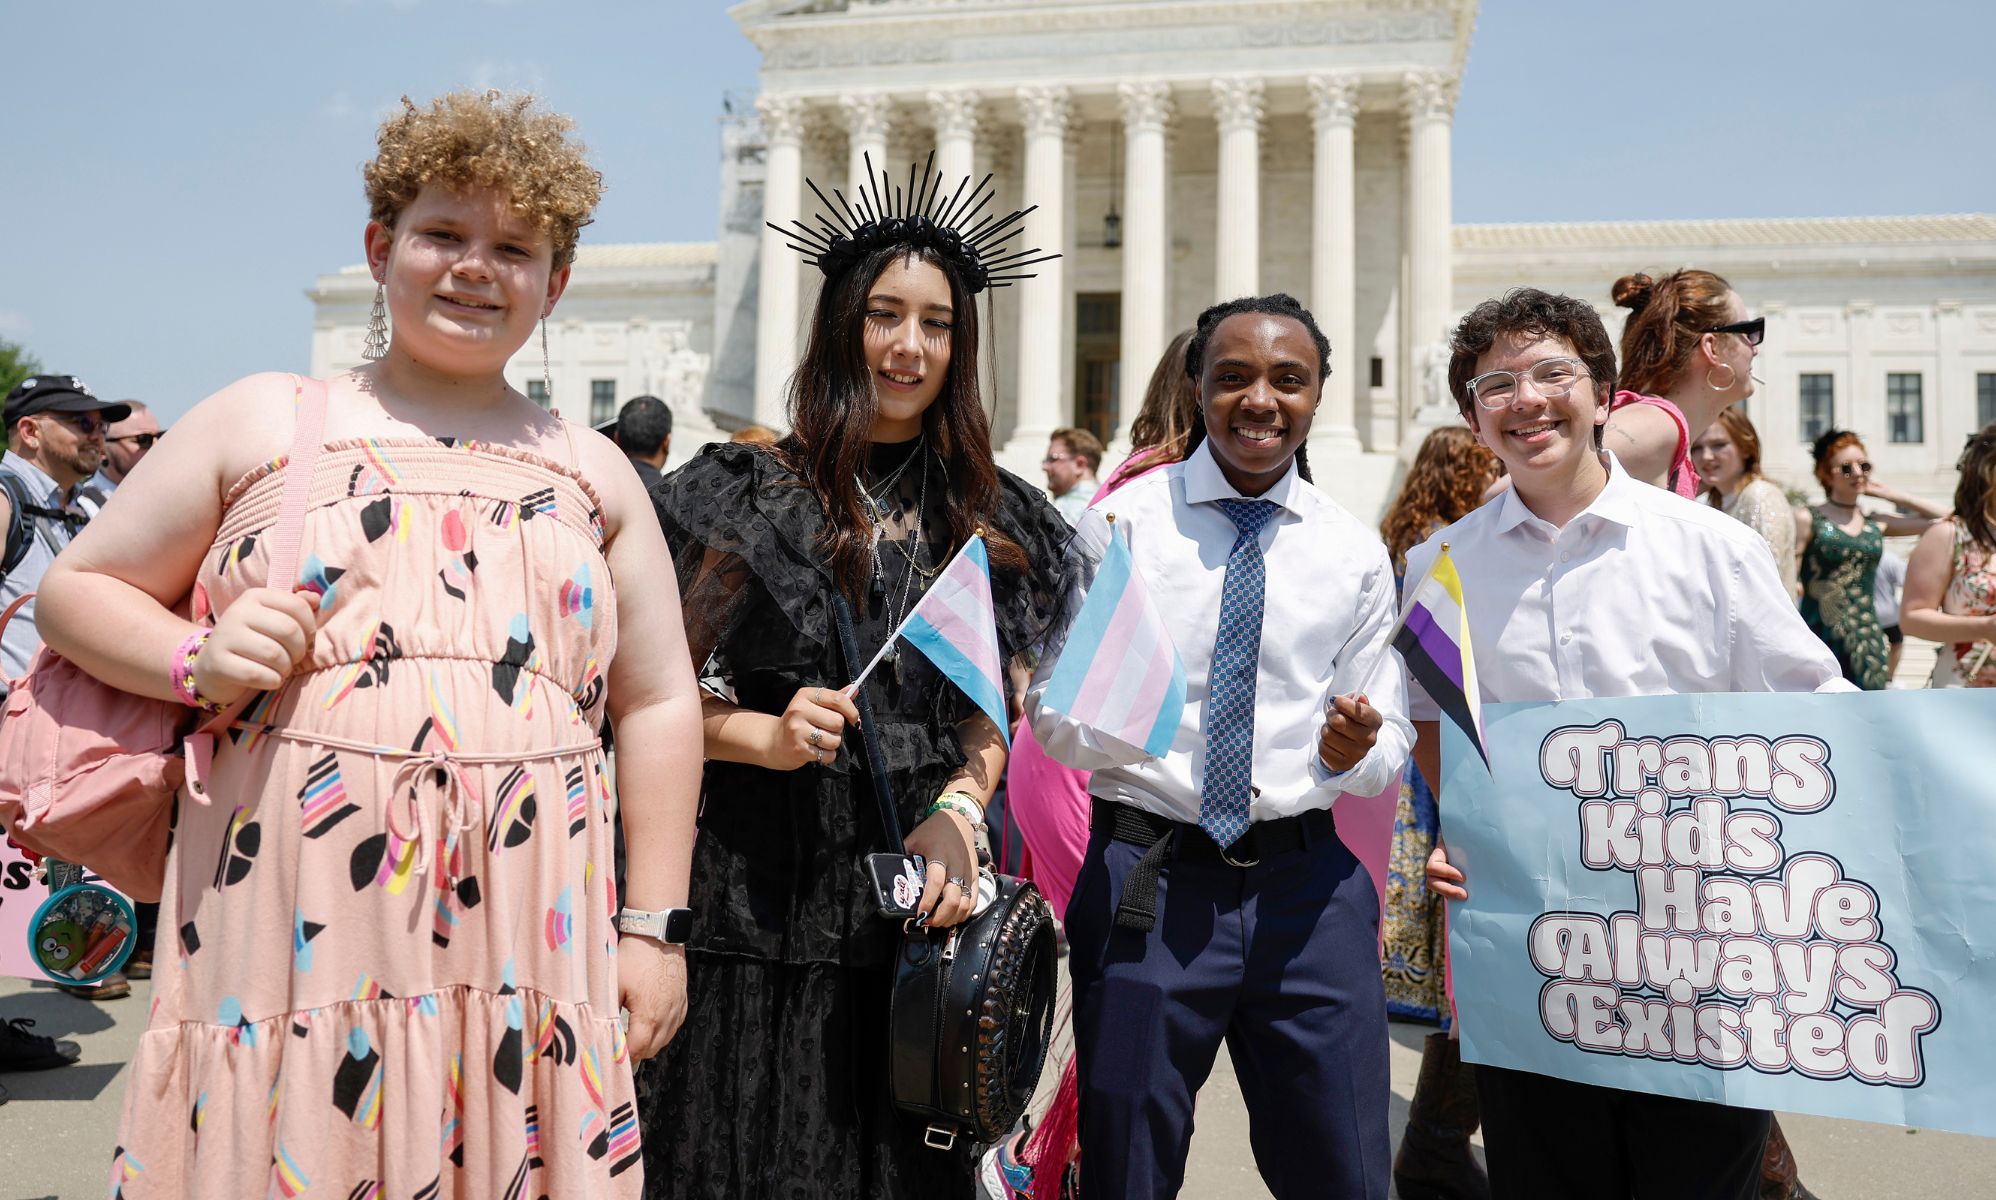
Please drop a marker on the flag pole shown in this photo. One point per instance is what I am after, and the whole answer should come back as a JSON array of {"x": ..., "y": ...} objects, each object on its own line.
[
  {"x": 905, "y": 617},
  {"x": 1407, "y": 606}
]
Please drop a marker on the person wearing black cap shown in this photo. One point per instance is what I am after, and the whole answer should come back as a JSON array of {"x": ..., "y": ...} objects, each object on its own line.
[{"x": 55, "y": 431}]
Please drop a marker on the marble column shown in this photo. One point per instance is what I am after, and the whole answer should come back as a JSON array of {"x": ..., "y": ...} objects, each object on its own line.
[
  {"x": 1045, "y": 113},
  {"x": 1237, "y": 108},
  {"x": 776, "y": 299},
  {"x": 1334, "y": 256},
  {"x": 1146, "y": 108},
  {"x": 955, "y": 113},
  {"x": 866, "y": 116},
  {"x": 1429, "y": 99}
]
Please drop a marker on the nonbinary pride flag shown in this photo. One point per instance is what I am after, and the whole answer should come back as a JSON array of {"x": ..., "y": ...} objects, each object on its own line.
[
  {"x": 955, "y": 625},
  {"x": 1120, "y": 674},
  {"x": 1433, "y": 639}
]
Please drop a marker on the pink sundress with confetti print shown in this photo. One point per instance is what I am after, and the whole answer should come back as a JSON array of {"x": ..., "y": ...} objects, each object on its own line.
[{"x": 387, "y": 960}]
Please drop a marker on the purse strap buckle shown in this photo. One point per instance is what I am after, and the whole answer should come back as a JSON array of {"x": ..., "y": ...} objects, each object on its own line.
[{"x": 939, "y": 1137}]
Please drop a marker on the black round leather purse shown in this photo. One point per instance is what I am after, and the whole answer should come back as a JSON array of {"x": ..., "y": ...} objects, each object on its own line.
[{"x": 972, "y": 1006}]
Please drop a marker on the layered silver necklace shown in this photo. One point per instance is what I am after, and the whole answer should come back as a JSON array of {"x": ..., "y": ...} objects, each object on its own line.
[{"x": 878, "y": 500}]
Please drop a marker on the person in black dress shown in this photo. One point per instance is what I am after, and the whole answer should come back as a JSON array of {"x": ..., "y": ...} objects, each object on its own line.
[{"x": 777, "y": 1086}]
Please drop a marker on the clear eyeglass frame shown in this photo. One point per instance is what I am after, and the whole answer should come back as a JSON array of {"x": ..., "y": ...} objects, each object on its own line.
[{"x": 1550, "y": 377}]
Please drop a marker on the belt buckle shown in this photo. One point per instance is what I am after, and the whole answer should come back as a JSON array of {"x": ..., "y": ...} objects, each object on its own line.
[{"x": 1230, "y": 860}]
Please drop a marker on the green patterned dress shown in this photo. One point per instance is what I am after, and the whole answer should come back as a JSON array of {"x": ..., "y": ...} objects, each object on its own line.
[{"x": 1838, "y": 569}]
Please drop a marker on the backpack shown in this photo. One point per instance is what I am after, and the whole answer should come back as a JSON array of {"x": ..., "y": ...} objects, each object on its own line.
[
  {"x": 88, "y": 773},
  {"x": 22, "y": 509}
]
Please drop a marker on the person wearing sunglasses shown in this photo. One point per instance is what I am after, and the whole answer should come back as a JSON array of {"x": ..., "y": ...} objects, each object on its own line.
[
  {"x": 125, "y": 443},
  {"x": 1687, "y": 355},
  {"x": 1841, "y": 544}
]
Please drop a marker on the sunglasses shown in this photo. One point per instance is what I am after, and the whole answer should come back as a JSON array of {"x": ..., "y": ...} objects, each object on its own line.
[
  {"x": 145, "y": 440},
  {"x": 83, "y": 423},
  {"x": 1856, "y": 468},
  {"x": 1753, "y": 331}
]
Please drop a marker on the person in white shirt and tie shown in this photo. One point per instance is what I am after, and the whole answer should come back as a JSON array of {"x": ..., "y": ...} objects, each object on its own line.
[
  {"x": 1216, "y": 902},
  {"x": 1581, "y": 581}
]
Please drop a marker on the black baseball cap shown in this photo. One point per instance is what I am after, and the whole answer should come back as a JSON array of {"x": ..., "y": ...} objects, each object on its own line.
[{"x": 58, "y": 394}]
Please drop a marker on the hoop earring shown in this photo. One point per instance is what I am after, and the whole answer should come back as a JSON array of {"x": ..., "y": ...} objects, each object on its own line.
[
  {"x": 377, "y": 327},
  {"x": 1732, "y": 377},
  {"x": 547, "y": 384}
]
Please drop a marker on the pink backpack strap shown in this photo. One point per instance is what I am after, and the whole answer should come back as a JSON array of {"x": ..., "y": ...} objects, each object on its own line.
[
  {"x": 308, "y": 437},
  {"x": 287, "y": 539}
]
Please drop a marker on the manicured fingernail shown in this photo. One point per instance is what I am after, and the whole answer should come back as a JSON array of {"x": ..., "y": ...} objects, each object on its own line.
[{"x": 921, "y": 918}]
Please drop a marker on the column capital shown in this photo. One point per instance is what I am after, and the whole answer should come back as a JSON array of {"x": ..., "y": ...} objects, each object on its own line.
[
  {"x": 1046, "y": 111},
  {"x": 1429, "y": 95},
  {"x": 1145, "y": 104},
  {"x": 782, "y": 118},
  {"x": 955, "y": 112},
  {"x": 1333, "y": 100},
  {"x": 867, "y": 115},
  {"x": 1238, "y": 102}
]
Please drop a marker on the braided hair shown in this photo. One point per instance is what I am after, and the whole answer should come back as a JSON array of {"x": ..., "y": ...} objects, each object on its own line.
[{"x": 1279, "y": 304}]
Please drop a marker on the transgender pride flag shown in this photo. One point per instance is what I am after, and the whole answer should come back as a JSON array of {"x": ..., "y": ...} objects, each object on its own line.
[
  {"x": 955, "y": 625},
  {"x": 1120, "y": 674}
]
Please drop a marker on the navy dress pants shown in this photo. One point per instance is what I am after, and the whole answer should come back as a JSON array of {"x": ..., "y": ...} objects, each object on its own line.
[{"x": 1281, "y": 961}]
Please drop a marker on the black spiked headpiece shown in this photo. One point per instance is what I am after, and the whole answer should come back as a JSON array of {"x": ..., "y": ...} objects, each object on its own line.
[{"x": 883, "y": 214}]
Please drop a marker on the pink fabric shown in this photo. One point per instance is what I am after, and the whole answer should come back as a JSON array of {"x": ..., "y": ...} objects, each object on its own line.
[
  {"x": 1683, "y": 476},
  {"x": 1365, "y": 826}
]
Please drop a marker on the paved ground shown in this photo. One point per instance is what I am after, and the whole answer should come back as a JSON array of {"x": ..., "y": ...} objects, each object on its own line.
[{"x": 57, "y": 1135}]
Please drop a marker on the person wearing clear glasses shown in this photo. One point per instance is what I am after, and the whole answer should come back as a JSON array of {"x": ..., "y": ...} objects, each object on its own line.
[
  {"x": 1687, "y": 355},
  {"x": 1582, "y": 581},
  {"x": 1073, "y": 457},
  {"x": 1840, "y": 545}
]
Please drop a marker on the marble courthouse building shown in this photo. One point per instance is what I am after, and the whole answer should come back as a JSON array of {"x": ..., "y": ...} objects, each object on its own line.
[{"x": 1181, "y": 153}]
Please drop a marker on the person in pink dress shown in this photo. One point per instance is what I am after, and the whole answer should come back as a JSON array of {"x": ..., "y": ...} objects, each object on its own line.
[
  {"x": 1688, "y": 347},
  {"x": 389, "y": 959}
]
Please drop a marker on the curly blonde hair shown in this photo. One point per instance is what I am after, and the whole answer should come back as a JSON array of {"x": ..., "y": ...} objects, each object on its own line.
[{"x": 487, "y": 139}]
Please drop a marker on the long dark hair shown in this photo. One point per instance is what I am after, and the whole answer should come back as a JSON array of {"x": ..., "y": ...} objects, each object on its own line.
[
  {"x": 1278, "y": 304},
  {"x": 1977, "y": 487},
  {"x": 833, "y": 408}
]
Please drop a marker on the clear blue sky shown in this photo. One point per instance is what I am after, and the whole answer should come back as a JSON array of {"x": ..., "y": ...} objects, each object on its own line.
[{"x": 180, "y": 172}]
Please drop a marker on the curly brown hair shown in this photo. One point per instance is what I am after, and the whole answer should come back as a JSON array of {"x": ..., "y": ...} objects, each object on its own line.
[
  {"x": 487, "y": 139},
  {"x": 1449, "y": 476},
  {"x": 1530, "y": 312},
  {"x": 1668, "y": 317}
]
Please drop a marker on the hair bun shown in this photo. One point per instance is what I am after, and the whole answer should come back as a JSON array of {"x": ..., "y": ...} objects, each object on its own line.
[{"x": 1633, "y": 291}]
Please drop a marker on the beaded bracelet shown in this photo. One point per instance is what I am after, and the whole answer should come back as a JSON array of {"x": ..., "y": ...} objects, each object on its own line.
[
  {"x": 183, "y": 672},
  {"x": 963, "y": 804}
]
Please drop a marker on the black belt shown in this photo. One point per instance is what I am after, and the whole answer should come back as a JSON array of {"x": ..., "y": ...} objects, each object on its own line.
[{"x": 1160, "y": 836}]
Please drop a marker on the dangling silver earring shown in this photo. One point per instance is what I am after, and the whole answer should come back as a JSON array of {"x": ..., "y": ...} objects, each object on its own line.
[
  {"x": 547, "y": 384},
  {"x": 377, "y": 327}
]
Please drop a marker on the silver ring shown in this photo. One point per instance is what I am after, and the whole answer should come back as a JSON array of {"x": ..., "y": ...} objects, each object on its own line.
[
  {"x": 818, "y": 757},
  {"x": 817, "y": 695},
  {"x": 815, "y": 737},
  {"x": 960, "y": 885}
]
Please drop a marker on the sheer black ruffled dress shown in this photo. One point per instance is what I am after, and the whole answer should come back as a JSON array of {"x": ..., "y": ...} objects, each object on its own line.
[{"x": 777, "y": 1085}]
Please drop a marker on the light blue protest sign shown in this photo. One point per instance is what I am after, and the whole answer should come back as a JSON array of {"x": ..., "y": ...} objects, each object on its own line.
[{"x": 1772, "y": 901}]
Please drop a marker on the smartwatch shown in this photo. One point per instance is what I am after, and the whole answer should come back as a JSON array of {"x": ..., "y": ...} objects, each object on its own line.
[{"x": 673, "y": 926}]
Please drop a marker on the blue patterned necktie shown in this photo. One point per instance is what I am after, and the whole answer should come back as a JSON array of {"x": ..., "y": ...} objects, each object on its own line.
[{"x": 1223, "y": 802}]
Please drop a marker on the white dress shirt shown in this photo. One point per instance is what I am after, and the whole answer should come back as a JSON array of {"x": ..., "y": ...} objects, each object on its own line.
[
  {"x": 1328, "y": 605},
  {"x": 1644, "y": 593}
]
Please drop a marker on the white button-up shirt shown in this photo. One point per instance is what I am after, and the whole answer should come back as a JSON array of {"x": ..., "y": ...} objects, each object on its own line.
[
  {"x": 1328, "y": 605},
  {"x": 44, "y": 540},
  {"x": 1644, "y": 593}
]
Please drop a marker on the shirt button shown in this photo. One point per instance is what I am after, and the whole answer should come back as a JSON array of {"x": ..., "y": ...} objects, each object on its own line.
[
  {"x": 1564, "y": 556},
  {"x": 1566, "y": 637}
]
